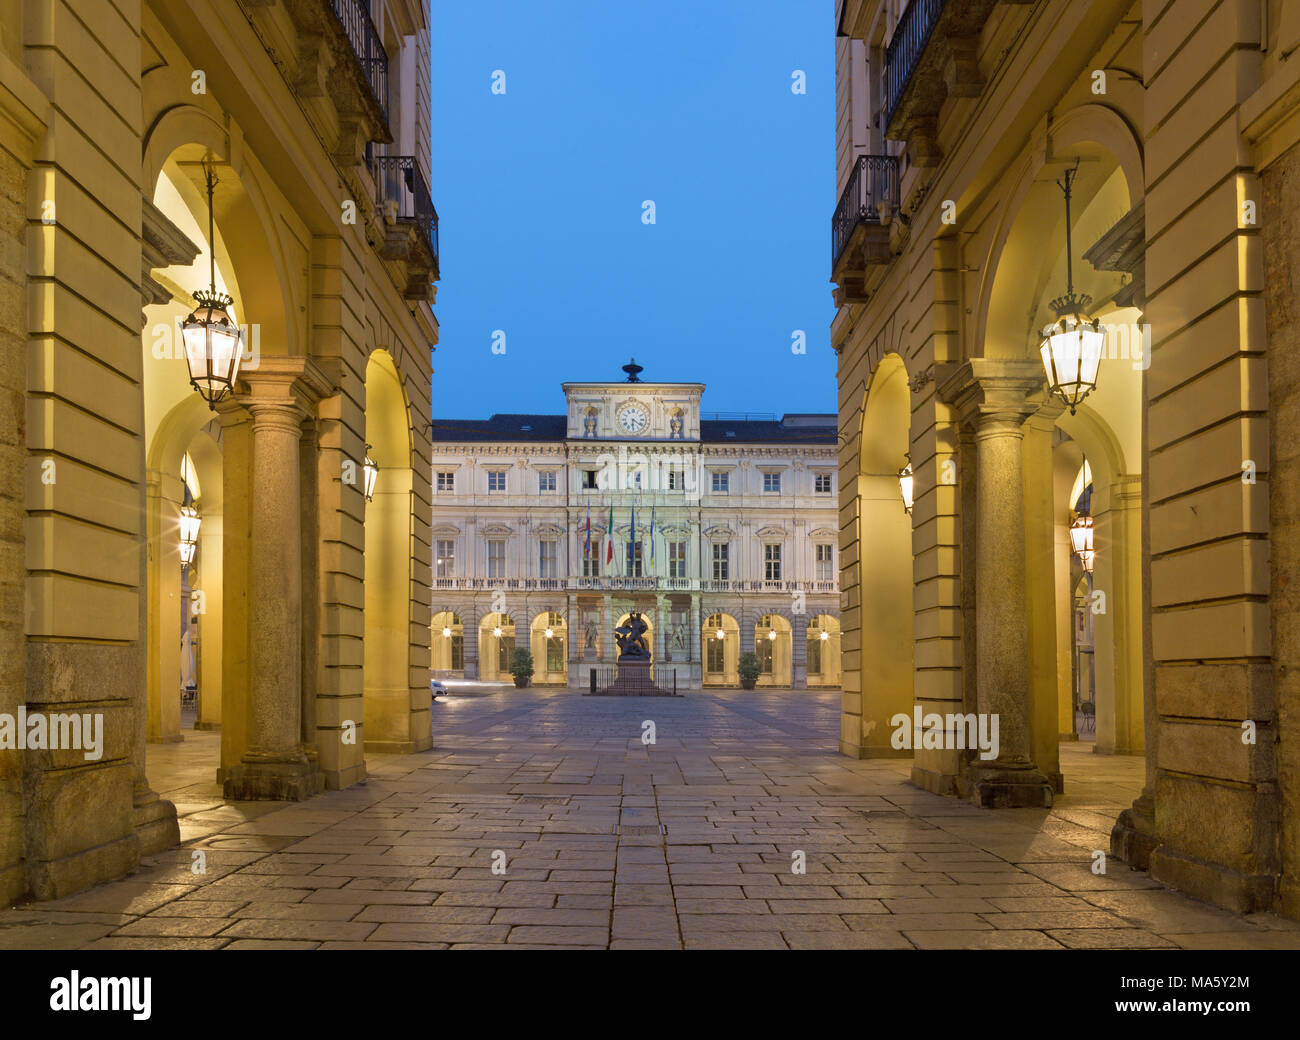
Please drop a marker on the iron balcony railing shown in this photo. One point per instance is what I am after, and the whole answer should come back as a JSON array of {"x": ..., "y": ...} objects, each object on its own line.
[
  {"x": 398, "y": 180},
  {"x": 354, "y": 17},
  {"x": 872, "y": 185},
  {"x": 905, "y": 49}
]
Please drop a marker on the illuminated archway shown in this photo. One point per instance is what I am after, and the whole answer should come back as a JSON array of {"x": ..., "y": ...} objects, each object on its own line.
[
  {"x": 773, "y": 644},
  {"x": 448, "y": 646},
  {"x": 496, "y": 642},
  {"x": 823, "y": 636},
  {"x": 884, "y": 655},
  {"x": 720, "y": 637},
  {"x": 396, "y": 718},
  {"x": 548, "y": 640}
]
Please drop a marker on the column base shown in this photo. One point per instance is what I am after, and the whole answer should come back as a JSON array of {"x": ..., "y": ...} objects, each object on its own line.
[
  {"x": 1007, "y": 787},
  {"x": 278, "y": 780},
  {"x": 1133, "y": 838},
  {"x": 1212, "y": 882},
  {"x": 155, "y": 824}
]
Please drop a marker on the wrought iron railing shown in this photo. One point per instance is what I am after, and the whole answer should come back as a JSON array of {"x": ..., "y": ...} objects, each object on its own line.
[
  {"x": 354, "y": 17},
  {"x": 398, "y": 180},
  {"x": 872, "y": 184},
  {"x": 905, "y": 49}
]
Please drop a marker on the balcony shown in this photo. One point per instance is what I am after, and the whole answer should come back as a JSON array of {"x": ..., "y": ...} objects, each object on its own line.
[
  {"x": 371, "y": 58},
  {"x": 860, "y": 225},
  {"x": 410, "y": 221},
  {"x": 931, "y": 57}
]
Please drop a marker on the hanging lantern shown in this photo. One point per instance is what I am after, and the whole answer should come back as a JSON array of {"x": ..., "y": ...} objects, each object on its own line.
[
  {"x": 905, "y": 486},
  {"x": 371, "y": 468},
  {"x": 772, "y": 634},
  {"x": 550, "y": 632},
  {"x": 497, "y": 631},
  {"x": 211, "y": 338},
  {"x": 190, "y": 521},
  {"x": 446, "y": 633},
  {"x": 1081, "y": 531},
  {"x": 721, "y": 633},
  {"x": 825, "y": 635},
  {"x": 1071, "y": 346}
]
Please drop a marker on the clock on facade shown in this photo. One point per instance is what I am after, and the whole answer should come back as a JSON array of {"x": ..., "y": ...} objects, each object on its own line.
[{"x": 634, "y": 419}]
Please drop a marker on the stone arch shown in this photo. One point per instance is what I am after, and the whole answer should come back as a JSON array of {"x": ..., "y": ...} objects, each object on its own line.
[
  {"x": 497, "y": 635},
  {"x": 1031, "y": 226}
]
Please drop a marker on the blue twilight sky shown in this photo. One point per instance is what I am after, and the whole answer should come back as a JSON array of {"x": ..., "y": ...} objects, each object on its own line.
[{"x": 539, "y": 192}]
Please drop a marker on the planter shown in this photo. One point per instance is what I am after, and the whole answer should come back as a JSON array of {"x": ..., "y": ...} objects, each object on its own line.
[
  {"x": 747, "y": 684},
  {"x": 522, "y": 680}
]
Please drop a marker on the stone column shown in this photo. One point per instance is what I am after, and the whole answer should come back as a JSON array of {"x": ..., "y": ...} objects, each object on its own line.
[
  {"x": 696, "y": 670},
  {"x": 275, "y": 765},
  {"x": 994, "y": 396},
  {"x": 576, "y": 636},
  {"x": 469, "y": 622},
  {"x": 799, "y": 651},
  {"x": 661, "y": 635}
]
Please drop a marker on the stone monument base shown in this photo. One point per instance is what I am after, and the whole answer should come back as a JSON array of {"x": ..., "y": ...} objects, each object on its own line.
[{"x": 633, "y": 680}]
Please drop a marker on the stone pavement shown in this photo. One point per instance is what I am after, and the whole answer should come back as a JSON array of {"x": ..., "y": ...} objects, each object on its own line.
[{"x": 608, "y": 842}]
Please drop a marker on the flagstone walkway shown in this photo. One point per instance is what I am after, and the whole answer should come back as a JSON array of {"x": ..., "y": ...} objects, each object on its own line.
[{"x": 540, "y": 819}]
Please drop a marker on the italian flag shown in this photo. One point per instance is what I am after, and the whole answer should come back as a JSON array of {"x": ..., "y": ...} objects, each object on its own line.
[{"x": 609, "y": 534}]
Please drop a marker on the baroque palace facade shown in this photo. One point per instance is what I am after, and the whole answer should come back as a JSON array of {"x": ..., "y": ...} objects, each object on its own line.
[
  {"x": 549, "y": 529},
  {"x": 1169, "y": 126},
  {"x": 155, "y": 154}
]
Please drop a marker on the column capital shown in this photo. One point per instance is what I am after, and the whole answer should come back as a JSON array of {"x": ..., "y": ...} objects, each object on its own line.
[
  {"x": 281, "y": 384},
  {"x": 983, "y": 390}
]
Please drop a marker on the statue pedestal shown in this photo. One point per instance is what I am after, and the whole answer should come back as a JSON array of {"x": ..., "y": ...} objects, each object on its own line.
[{"x": 633, "y": 680}]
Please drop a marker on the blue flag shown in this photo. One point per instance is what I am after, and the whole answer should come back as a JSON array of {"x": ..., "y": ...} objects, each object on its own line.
[{"x": 652, "y": 534}]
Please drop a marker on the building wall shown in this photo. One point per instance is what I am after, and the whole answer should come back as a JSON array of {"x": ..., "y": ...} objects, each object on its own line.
[
  {"x": 99, "y": 100},
  {"x": 1190, "y": 132}
]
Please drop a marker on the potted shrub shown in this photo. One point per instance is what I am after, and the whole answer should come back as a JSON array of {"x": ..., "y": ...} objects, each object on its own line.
[
  {"x": 749, "y": 669},
  {"x": 521, "y": 667}
]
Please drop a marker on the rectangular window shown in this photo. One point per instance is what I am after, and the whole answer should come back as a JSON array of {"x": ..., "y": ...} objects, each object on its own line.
[
  {"x": 546, "y": 481},
  {"x": 496, "y": 480},
  {"x": 589, "y": 479},
  {"x": 591, "y": 565},
  {"x": 772, "y": 561},
  {"x": 822, "y": 484},
  {"x": 676, "y": 480},
  {"x": 764, "y": 648},
  {"x": 815, "y": 654},
  {"x": 825, "y": 562},
  {"x": 546, "y": 558},
  {"x": 721, "y": 570},
  {"x": 676, "y": 559},
  {"x": 771, "y": 483},
  {"x": 446, "y": 482},
  {"x": 634, "y": 481},
  {"x": 458, "y": 653},
  {"x": 446, "y": 558},
  {"x": 634, "y": 560},
  {"x": 496, "y": 558},
  {"x": 721, "y": 482}
]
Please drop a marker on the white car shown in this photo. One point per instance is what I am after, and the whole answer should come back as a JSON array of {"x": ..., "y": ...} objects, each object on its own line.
[{"x": 437, "y": 689}]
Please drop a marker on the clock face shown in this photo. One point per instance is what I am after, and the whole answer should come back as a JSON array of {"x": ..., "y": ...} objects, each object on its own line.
[{"x": 633, "y": 419}]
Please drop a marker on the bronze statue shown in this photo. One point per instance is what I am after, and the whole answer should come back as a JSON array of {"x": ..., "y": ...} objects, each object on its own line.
[{"x": 631, "y": 640}]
